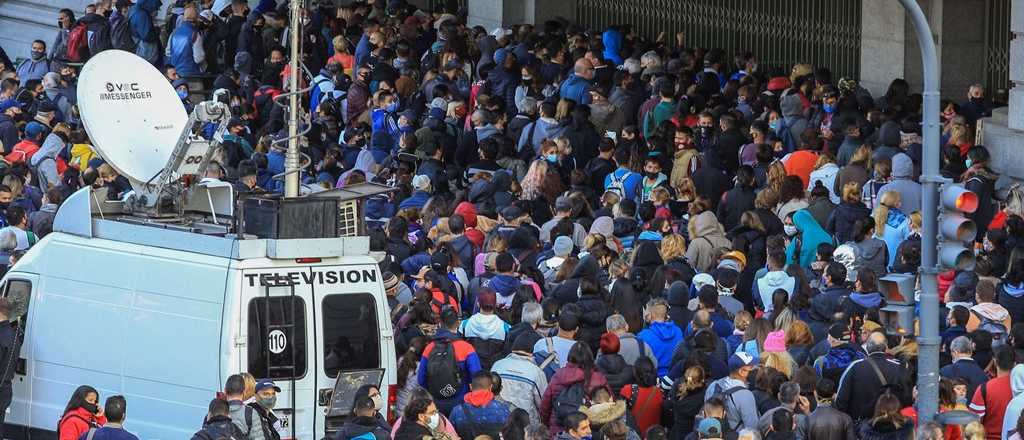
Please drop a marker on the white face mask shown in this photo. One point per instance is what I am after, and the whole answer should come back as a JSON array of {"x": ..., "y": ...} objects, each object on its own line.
[
  {"x": 790, "y": 230},
  {"x": 435, "y": 421},
  {"x": 378, "y": 402}
]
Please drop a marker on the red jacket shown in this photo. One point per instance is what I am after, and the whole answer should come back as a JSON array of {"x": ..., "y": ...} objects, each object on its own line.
[
  {"x": 439, "y": 300},
  {"x": 800, "y": 163},
  {"x": 22, "y": 151},
  {"x": 564, "y": 378},
  {"x": 77, "y": 422}
]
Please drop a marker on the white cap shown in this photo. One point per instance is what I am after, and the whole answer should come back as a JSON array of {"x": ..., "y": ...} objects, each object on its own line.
[{"x": 501, "y": 32}]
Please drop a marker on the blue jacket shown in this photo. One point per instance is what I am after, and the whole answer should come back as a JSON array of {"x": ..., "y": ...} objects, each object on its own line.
[
  {"x": 967, "y": 369},
  {"x": 575, "y": 89},
  {"x": 663, "y": 337},
  {"x": 465, "y": 358},
  {"x": 897, "y": 229},
  {"x": 630, "y": 182},
  {"x": 363, "y": 50},
  {"x": 180, "y": 50},
  {"x": 109, "y": 432},
  {"x": 502, "y": 83},
  {"x": 416, "y": 200},
  {"x": 141, "y": 20},
  {"x": 479, "y": 414},
  {"x": 612, "y": 40}
]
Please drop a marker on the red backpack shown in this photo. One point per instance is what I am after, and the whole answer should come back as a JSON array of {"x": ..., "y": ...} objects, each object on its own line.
[{"x": 78, "y": 43}]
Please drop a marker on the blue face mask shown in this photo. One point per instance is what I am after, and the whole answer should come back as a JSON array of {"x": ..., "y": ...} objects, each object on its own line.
[
  {"x": 828, "y": 108},
  {"x": 182, "y": 94},
  {"x": 553, "y": 158},
  {"x": 968, "y": 163},
  {"x": 774, "y": 125}
]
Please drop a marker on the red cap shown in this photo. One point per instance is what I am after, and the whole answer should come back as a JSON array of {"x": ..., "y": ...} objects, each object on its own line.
[{"x": 779, "y": 83}]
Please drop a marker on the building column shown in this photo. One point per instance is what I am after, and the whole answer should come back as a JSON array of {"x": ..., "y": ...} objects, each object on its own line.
[
  {"x": 1015, "y": 118},
  {"x": 493, "y": 13},
  {"x": 1003, "y": 133},
  {"x": 882, "y": 44}
]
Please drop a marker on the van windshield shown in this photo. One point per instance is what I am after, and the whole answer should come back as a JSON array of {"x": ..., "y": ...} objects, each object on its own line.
[{"x": 351, "y": 333}]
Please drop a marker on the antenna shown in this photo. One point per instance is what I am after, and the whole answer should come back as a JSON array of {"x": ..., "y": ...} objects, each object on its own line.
[{"x": 131, "y": 113}]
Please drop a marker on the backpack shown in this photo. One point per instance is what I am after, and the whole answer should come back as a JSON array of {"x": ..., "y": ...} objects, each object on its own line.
[
  {"x": 365, "y": 436},
  {"x": 488, "y": 350},
  {"x": 996, "y": 328},
  {"x": 617, "y": 184},
  {"x": 728, "y": 394},
  {"x": 78, "y": 44},
  {"x": 569, "y": 401},
  {"x": 99, "y": 40},
  {"x": 121, "y": 36},
  {"x": 444, "y": 377},
  {"x": 236, "y": 432}
]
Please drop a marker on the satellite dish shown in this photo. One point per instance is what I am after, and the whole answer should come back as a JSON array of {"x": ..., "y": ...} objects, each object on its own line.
[{"x": 132, "y": 114}]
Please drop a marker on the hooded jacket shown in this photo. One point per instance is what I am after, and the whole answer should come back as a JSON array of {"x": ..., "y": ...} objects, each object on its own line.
[
  {"x": 484, "y": 327},
  {"x": 707, "y": 235},
  {"x": 662, "y": 337},
  {"x": 811, "y": 235},
  {"x": 833, "y": 364},
  {"x": 568, "y": 291},
  {"x": 361, "y": 425},
  {"x": 612, "y": 40},
  {"x": 45, "y": 161},
  {"x": 615, "y": 369},
  {"x": 840, "y": 222},
  {"x": 480, "y": 414},
  {"x": 888, "y": 142},
  {"x": 678, "y": 304},
  {"x": 793, "y": 120},
  {"x": 766, "y": 286},
  {"x": 897, "y": 229},
  {"x": 872, "y": 253},
  {"x": 1017, "y": 403},
  {"x": 593, "y": 311},
  {"x": 532, "y": 137},
  {"x": 858, "y": 303},
  {"x": 1011, "y": 297},
  {"x": 575, "y": 88},
  {"x": 910, "y": 191},
  {"x": 564, "y": 378}
]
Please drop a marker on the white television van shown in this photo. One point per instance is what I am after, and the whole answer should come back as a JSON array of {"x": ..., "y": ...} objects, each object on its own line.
[{"x": 163, "y": 316}]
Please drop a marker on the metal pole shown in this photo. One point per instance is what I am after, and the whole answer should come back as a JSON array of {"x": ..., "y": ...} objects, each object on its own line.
[
  {"x": 291, "y": 161},
  {"x": 928, "y": 341}
]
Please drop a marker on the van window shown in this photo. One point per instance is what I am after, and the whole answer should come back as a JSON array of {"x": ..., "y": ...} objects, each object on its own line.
[
  {"x": 351, "y": 333},
  {"x": 272, "y": 340},
  {"x": 18, "y": 293}
]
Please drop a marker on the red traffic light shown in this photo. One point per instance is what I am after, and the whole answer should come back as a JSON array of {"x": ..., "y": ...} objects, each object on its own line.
[{"x": 956, "y": 197}]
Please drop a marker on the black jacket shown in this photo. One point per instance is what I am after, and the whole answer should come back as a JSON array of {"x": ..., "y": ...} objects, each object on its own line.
[
  {"x": 361, "y": 425},
  {"x": 827, "y": 423},
  {"x": 860, "y": 385},
  {"x": 711, "y": 182},
  {"x": 738, "y": 200},
  {"x": 885, "y": 430},
  {"x": 410, "y": 430},
  {"x": 593, "y": 312},
  {"x": 8, "y": 133},
  {"x": 614, "y": 368},
  {"x": 983, "y": 183},
  {"x": 685, "y": 411},
  {"x": 840, "y": 223},
  {"x": 219, "y": 427}
]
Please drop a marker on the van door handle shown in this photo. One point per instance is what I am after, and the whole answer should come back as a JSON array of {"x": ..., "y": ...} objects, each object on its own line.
[
  {"x": 324, "y": 396},
  {"x": 21, "y": 367}
]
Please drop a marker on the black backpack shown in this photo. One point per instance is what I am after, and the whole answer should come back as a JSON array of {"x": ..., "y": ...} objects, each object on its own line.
[
  {"x": 488, "y": 350},
  {"x": 121, "y": 36},
  {"x": 444, "y": 378},
  {"x": 100, "y": 40},
  {"x": 569, "y": 401}
]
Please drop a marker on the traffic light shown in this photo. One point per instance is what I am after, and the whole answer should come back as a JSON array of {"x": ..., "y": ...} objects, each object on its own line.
[{"x": 957, "y": 232}]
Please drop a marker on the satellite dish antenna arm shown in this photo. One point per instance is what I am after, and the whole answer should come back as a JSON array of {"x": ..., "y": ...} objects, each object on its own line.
[{"x": 205, "y": 112}]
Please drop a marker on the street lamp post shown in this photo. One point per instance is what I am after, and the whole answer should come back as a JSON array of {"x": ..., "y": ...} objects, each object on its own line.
[{"x": 928, "y": 341}]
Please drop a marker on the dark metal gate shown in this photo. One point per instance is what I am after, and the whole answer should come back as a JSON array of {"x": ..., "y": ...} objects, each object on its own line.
[
  {"x": 779, "y": 32},
  {"x": 997, "y": 47}
]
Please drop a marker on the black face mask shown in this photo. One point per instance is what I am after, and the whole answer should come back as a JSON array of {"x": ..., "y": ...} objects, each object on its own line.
[
  {"x": 91, "y": 407},
  {"x": 651, "y": 175}
]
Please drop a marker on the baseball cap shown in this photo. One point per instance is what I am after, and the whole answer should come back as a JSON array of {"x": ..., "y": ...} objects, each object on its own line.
[
  {"x": 511, "y": 212},
  {"x": 421, "y": 182},
  {"x": 839, "y": 332},
  {"x": 33, "y": 130},
  {"x": 740, "y": 360},
  {"x": 562, "y": 246},
  {"x": 500, "y": 55},
  {"x": 266, "y": 383},
  {"x": 501, "y": 32},
  {"x": 563, "y": 203},
  {"x": 703, "y": 279},
  {"x": 439, "y": 261},
  {"x": 709, "y": 426},
  {"x": 486, "y": 298}
]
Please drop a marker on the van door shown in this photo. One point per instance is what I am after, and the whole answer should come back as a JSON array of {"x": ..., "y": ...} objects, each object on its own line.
[
  {"x": 18, "y": 290},
  {"x": 278, "y": 307},
  {"x": 353, "y": 330}
]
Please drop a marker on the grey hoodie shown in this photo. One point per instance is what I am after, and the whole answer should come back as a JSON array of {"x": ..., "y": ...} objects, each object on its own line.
[
  {"x": 910, "y": 191},
  {"x": 45, "y": 163}
]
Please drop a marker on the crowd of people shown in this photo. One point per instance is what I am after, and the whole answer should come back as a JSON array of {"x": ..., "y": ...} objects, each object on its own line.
[{"x": 593, "y": 235}]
